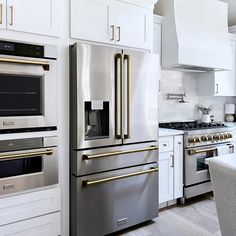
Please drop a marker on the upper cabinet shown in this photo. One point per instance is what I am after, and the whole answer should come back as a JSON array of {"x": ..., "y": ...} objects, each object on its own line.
[
  {"x": 112, "y": 22},
  {"x": 221, "y": 83},
  {"x": 32, "y": 16}
]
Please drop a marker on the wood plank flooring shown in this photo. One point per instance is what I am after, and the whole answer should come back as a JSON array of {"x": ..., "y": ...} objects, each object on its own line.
[{"x": 197, "y": 218}]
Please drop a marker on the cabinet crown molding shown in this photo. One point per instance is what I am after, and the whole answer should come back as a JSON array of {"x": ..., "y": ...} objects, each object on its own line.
[{"x": 142, "y": 3}]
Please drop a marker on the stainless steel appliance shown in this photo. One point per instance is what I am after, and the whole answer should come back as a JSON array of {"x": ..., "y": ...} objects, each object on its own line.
[
  {"x": 201, "y": 141},
  {"x": 114, "y": 171},
  {"x": 28, "y": 163},
  {"x": 28, "y": 87}
]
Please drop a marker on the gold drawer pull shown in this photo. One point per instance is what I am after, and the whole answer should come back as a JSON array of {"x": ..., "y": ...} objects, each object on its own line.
[
  {"x": 98, "y": 181},
  {"x": 9, "y": 157},
  {"x": 44, "y": 64},
  {"x": 115, "y": 153}
]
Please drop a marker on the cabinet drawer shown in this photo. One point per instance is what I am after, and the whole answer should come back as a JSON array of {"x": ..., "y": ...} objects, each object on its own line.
[
  {"x": 166, "y": 144},
  {"x": 48, "y": 225},
  {"x": 25, "y": 206}
]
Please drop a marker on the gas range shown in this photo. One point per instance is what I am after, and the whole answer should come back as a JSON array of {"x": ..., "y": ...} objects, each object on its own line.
[{"x": 199, "y": 134}]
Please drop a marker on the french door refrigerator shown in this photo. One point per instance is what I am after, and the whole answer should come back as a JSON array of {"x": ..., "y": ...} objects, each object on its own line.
[{"x": 113, "y": 141}]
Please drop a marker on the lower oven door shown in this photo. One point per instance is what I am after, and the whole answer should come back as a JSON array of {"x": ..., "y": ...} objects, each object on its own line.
[
  {"x": 24, "y": 170},
  {"x": 110, "y": 201},
  {"x": 196, "y": 169}
]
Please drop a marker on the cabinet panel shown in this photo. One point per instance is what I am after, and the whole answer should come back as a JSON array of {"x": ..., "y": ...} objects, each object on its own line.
[
  {"x": 166, "y": 144},
  {"x": 134, "y": 26},
  {"x": 48, "y": 225},
  {"x": 29, "y": 205},
  {"x": 178, "y": 166},
  {"x": 3, "y": 14},
  {"x": 33, "y": 16},
  {"x": 166, "y": 177},
  {"x": 92, "y": 20}
]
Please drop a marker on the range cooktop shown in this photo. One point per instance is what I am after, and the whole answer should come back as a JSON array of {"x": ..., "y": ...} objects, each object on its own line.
[{"x": 192, "y": 125}]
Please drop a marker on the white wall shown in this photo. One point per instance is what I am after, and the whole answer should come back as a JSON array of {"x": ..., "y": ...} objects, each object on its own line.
[{"x": 178, "y": 82}]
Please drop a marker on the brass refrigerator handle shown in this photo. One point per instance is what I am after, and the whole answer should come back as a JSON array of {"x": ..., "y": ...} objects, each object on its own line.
[
  {"x": 44, "y": 64},
  {"x": 115, "y": 153},
  {"x": 0, "y": 13},
  {"x": 128, "y": 59},
  {"x": 9, "y": 157},
  {"x": 11, "y": 9},
  {"x": 195, "y": 151},
  {"x": 98, "y": 181}
]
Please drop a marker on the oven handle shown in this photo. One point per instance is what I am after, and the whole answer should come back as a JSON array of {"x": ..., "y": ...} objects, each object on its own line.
[
  {"x": 9, "y": 157},
  {"x": 98, "y": 181},
  {"x": 195, "y": 151},
  {"x": 44, "y": 64},
  {"x": 115, "y": 153}
]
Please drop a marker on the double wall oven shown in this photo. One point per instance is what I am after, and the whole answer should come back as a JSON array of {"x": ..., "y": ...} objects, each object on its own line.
[
  {"x": 114, "y": 156},
  {"x": 28, "y": 87}
]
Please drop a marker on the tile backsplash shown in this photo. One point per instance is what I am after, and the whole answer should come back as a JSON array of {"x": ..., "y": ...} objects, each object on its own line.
[{"x": 179, "y": 82}]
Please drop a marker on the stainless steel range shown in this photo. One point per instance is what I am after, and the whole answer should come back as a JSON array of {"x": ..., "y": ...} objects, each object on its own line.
[{"x": 201, "y": 141}]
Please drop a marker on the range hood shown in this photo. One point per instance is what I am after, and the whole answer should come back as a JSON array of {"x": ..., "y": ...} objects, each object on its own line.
[{"x": 195, "y": 35}]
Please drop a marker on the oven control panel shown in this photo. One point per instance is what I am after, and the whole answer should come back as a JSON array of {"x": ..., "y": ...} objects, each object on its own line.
[{"x": 209, "y": 138}]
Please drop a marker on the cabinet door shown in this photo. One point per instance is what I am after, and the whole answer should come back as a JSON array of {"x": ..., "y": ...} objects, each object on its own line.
[
  {"x": 166, "y": 177},
  {"x": 225, "y": 81},
  {"x": 178, "y": 166},
  {"x": 34, "y": 16},
  {"x": 48, "y": 225},
  {"x": 92, "y": 20},
  {"x": 3, "y": 14},
  {"x": 134, "y": 26},
  {"x": 157, "y": 38}
]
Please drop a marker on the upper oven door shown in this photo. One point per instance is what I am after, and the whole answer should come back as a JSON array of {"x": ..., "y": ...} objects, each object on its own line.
[
  {"x": 28, "y": 92},
  {"x": 196, "y": 171}
]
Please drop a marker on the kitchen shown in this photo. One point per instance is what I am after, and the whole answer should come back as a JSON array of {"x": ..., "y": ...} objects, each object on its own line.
[{"x": 66, "y": 23}]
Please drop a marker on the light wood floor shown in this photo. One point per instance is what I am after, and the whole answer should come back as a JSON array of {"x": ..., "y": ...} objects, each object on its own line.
[{"x": 197, "y": 218}]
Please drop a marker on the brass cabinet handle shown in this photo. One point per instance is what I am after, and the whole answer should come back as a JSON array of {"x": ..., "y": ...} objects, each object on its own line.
[
  {"x": 112, "y": 33},
  {"x": 44, "y": 64},
  {"x": 98, "y": 181},
  {"x": 116, "y": 153},
  {"x": 118, "y": 29},
  {"x": 1, "y": 13},
  {"x": 195, "y": 151},
  {"x": 11, "y": 10},
  {"x": 47, "y": 152},
  {"x": 128, "y": 59}
]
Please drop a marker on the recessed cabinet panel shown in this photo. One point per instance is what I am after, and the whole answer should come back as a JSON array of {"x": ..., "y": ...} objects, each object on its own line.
[
  {"x": 90, "y": 20},
  {"x": 33, "y": 16}
]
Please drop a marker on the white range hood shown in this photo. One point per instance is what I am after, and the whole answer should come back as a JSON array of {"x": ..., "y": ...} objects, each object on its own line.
[{"x": 195, "y": 35}]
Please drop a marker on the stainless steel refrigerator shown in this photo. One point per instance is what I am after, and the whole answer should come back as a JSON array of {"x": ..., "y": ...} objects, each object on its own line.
[{"x": 113, "y": 141}]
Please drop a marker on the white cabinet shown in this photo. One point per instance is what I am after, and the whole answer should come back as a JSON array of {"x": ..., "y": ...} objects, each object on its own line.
[
  {"x": 166, "y": 176},
  {"x": 170, "y": 168},
  {"x": 113, "y": 22},
  {"x": 221, "y": 83},
  {"x": 32, "y": 16},
  {"x": 48, "y": 225},
  {"x": 157, "y": 28}
]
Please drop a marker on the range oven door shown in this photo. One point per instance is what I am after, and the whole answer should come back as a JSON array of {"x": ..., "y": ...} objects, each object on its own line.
[
  {"x": 30, "y": 168},
  {"x": 110, "y": 201},
  {"x": 196, "y": 169},
  {"x": 28, "y": 92}
]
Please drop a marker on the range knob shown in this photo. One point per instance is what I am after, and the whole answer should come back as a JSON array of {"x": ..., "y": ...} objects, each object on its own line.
[
  {"x": 229, "y": 135},
  {"x": 204, "y": 138},
  {"x": 196, "y": 140},
  {"x": 224, "y": 136},
  {"x": 216, "y": 137},
  {"x": 210, "y": 138},
  {"x": 191, "y": 140},
  {"x": 221, "y": 136}
]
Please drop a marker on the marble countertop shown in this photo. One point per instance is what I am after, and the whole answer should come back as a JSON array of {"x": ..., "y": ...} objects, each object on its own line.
[{"x": 169, "y": 132}]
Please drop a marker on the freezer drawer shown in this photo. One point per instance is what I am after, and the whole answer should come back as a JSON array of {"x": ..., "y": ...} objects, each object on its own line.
[
  {"x": 111, "y": 201},
  {"x": 104, "y": 159}
]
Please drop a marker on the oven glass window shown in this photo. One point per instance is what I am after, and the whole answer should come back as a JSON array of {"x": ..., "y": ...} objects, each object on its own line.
[
  {"x": 201, "y": 161},
  {"x": 20, "y": 167},
  {"x": 20, "y": 95}
]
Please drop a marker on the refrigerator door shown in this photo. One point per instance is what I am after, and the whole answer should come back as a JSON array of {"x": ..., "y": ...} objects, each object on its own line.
[
  {"x": 140, "y": 96},
  {"x": 94, "y": 113}
]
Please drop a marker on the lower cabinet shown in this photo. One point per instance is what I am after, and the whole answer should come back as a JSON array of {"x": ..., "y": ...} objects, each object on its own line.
[
  {"x": 48, "y": 225},
  {"x": 171, "y": 168}
]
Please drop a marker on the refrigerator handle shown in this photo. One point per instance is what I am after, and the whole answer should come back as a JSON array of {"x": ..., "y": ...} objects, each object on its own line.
[
  {"x": 128, "y": 106},
  {"x": 119, "y": 61}
]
